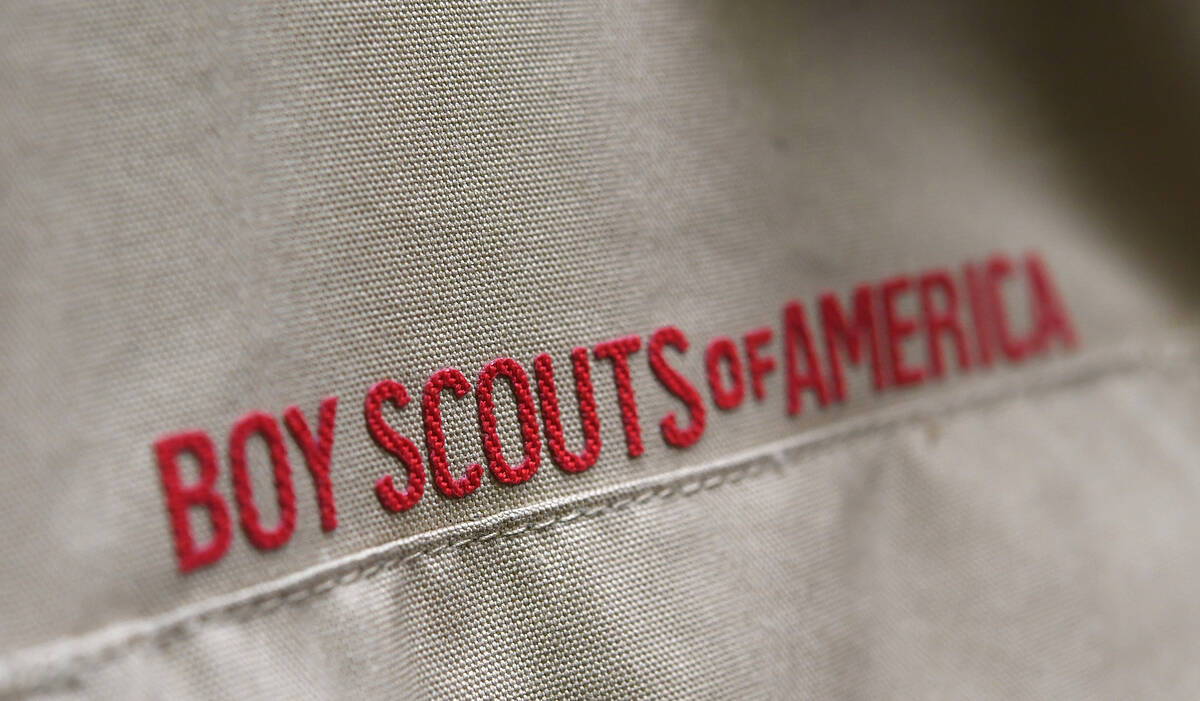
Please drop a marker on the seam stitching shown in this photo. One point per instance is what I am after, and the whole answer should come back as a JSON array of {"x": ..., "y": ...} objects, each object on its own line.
[{"x": 46, "y": 675}]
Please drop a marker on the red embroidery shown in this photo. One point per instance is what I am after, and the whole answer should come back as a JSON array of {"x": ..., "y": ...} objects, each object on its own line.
[
  {"x": 999, "y": 269},
  {"x": 940, "y": 321},
  {"x": 837, "y": 330},
  {"x": 180, "y": 498},
  {"x": 391, "y": 498},
  {"x": 795, "y": 330},
  {"x": 723, "y": 348},
  {"x": 1050, "y": 317},
  {"x": 262, "y": 424},
  {"x": 898, "y": 329},
  {"x": 758, "y": 365},
  {"x": 543, "y": 369},
  {"x": 316, "y": 454},
  {"x": 941, "y": 303},
  {"x": 980, "y": 316},
  {"x": 618, "y": 351},
  {"x": 526, "y": 417},
  {"x": 678, "y": 385},
  {"x": 435, "y": 438}
]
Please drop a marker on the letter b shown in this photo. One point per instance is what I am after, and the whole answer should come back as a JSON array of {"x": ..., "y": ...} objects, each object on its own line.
[{"x": 180, "y": 498}]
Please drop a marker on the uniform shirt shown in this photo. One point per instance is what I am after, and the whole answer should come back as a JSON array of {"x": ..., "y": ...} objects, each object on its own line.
[{"x": 598, "y": 350}]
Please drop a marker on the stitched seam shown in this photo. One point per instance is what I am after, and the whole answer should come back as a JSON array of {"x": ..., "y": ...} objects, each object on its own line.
[{"x": 65, "y": 669}]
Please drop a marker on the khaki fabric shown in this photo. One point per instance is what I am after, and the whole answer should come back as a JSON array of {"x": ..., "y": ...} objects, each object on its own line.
[{"x": 209, "y": 208}]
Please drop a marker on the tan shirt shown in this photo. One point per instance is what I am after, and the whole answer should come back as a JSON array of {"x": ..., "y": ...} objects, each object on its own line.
[{"x": 212, "y": 212}]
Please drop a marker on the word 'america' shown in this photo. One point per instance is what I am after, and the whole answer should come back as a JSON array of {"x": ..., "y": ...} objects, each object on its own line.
[{"x": 961, "y": 319}]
